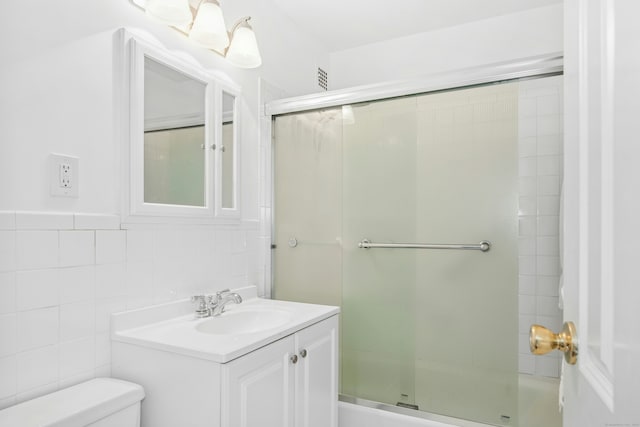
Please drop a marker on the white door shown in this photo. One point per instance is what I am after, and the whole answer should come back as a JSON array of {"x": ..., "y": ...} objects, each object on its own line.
[{"x": 602, "y": 211}]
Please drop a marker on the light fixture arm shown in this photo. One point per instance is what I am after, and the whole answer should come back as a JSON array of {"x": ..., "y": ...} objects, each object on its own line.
[
  {"x": 242, "y": 21},
  {"x": 243, "y": 49}
]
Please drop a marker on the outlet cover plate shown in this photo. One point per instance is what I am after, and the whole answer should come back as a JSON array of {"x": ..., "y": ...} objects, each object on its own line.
[{"x": 63, "y": 175}]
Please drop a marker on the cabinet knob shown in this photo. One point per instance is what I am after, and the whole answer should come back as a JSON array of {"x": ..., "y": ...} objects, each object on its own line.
[
  {"x": 303, "y": 353},
  {"x": 294, "y": 359}
]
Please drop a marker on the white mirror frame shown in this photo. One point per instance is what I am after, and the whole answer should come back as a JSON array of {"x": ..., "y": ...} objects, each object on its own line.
[
  {"x": 221, "y": 211},
  {"x": 131, "y": 100}
]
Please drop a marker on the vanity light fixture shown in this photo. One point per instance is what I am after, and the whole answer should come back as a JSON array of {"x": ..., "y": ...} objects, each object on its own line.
[
  {"x": 243, "y": 51},
  {"x": 208, "y": 28},
  {"x": 239, "y": 45}
]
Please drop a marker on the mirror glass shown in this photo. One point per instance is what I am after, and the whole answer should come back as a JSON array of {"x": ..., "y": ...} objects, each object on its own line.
[
  {"x": 228, "y": 150},
  {"x": 174, "y": 137}
]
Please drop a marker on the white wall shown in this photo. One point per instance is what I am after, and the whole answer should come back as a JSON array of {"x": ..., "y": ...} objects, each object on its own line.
[
  {"x": 65, "y": 264},
  {"x": 504, "y": 38}
]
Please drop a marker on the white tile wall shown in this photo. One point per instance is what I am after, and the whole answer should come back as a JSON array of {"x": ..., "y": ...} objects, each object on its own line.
[
  {"x": 7, "y": 250},
  {"x": 82, "y": 221},
  {"x": 77, "y": 284},
  {"x": 540, "y": 161},
  {"x": 37, "y": 368},
  {"x": 9, "y": 376},
  {"x": 36, "y": 249},
  {"x": 7, "y": 292},
  {"x": 37, "y": 328},
  {"x": 60, "y": 280},
  {"x": 111, "y": 246},
  {"x": 8, "y": 332},
  {"x": 77, "y": 248},
  {"x": 77, "y": 320},
  {"x": 37, "y": 289},
  {"x": 77, "y": 356},
  {"x": 52, "y": 221}
]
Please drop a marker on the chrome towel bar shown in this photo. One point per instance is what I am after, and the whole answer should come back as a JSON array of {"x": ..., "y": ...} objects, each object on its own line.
[{"x": 483, "y": 246}]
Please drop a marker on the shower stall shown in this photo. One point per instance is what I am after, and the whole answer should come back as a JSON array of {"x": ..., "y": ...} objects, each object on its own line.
[{"x": 420, "y": 216}]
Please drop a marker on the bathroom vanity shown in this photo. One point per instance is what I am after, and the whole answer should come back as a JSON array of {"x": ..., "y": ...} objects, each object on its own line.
[{"x": 261, "y": 363}]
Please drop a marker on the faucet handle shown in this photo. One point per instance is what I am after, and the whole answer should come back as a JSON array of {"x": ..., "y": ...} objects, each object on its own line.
[
  {"x": 201, "y": 300},
  {"x": 203, "y": 309},
  {"x": 222, "y": 292}
]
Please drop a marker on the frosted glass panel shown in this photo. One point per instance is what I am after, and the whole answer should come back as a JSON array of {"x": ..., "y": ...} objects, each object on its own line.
[
  {"x": 308, "y": 167},
  {"x": 435, "y": 330},
  {"x": 466, "y": 327},
  {"x": 174, "y": 166},
  {"x": 379, "y": 202}
]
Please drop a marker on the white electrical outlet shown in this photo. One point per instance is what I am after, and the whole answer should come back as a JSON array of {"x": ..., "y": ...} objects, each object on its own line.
[{"x": 63, "y": 175}]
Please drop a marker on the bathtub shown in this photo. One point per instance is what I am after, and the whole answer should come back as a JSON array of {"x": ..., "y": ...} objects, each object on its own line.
[{"x": 537, "y": 406}]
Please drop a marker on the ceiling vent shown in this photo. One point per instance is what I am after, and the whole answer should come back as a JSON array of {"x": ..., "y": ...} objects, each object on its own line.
[{"x": 322, "y": 79}]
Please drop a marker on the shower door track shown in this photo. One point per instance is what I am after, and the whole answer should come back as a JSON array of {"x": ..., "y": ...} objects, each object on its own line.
[{"x": 459, "y": 422}]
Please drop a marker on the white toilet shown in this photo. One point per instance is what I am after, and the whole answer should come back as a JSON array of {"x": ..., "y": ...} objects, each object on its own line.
[{"x": 101, "y": 402}]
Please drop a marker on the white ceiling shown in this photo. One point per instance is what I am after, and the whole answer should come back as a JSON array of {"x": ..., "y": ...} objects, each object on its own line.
[{"x": 343, "y": 24}]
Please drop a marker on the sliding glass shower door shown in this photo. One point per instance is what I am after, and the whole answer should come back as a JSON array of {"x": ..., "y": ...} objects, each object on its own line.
[{"x": 430, "y": 329}]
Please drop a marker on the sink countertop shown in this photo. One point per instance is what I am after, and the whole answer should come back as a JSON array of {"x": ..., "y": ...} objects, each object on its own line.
[{"x": 178, "y": 334}]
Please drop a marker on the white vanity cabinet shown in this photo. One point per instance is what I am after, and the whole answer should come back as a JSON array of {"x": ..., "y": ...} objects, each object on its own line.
[
  {"x": 284, "y": 376},
  {"x": 292, "y": 382}
]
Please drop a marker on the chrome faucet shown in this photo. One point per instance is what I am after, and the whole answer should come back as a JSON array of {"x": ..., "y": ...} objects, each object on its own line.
[
  {"x": 214, "y": 305},
  {"x": 218, "y": 303}
]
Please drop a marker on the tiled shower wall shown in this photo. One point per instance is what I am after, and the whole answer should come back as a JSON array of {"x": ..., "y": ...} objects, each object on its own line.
[
  {"x": 62, "y": 275},
  {"x": 540, "y": 180}
]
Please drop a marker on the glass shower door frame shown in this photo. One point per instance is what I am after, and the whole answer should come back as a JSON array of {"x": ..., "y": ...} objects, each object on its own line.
[{"x": 532, "y": 68}]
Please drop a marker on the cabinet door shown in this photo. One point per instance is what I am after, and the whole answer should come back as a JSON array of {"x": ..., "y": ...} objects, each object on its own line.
[
  {"x": 316, "y": 396},
  {"x": 258, "y": 388}
]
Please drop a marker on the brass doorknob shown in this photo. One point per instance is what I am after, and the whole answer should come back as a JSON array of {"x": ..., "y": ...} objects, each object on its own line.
[{"x": 542, "y": 341}]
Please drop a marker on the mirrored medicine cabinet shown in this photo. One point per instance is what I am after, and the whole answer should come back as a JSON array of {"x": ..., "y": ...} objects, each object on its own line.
[{"x": 182, "y": 155}]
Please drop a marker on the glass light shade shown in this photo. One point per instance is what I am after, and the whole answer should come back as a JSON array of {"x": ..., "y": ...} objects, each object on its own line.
[
  {"x": 171, "y": 12},
  {"x": 243, "y": 51},
  {"x": 208, "y": 28}
]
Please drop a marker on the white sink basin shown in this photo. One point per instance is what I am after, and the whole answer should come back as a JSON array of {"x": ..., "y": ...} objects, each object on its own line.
[
  {"x": 244, "y": 322},
  {"x": 243, "y": 328}
]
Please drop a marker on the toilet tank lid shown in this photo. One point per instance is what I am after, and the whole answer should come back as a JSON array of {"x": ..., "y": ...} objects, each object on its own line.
[{"x": 78, "y": 405}]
